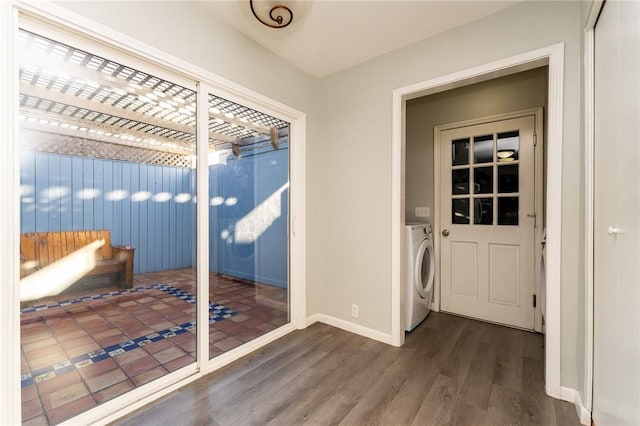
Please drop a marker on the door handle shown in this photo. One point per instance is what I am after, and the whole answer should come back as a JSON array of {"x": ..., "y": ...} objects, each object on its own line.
[
  {"x": 445, "y": 232},
  {"x": 613, "y": 231}
]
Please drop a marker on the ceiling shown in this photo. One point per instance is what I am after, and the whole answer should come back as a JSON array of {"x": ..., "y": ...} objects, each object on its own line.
[{"x": 332, "y": 35}]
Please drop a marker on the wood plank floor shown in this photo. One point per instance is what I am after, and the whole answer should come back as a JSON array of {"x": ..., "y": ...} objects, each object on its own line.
[{"x": 451, "y": 371}]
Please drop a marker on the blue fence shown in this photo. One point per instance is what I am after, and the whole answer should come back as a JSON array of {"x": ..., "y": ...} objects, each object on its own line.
[
  {"x": 148, "y": 207},
  {"x": 152, "y": 209},
  {"x": 248, "y": 215}
]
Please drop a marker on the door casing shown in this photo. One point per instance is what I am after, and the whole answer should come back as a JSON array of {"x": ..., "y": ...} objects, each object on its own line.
[{"x": 553, "y": 56}]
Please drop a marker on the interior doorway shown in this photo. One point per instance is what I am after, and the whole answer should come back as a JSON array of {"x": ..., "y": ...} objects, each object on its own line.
[
  {"x": 492, "y": 100},
  {"x": 553, "y": 57}
]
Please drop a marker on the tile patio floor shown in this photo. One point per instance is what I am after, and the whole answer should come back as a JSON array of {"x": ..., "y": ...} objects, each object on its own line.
[{"x": 77, "y": 356}]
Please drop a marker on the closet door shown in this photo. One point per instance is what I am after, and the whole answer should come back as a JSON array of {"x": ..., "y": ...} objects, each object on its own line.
[{"x": 616, "y": 385}]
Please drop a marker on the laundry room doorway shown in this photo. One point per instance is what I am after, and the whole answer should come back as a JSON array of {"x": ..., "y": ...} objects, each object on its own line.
[
  {"x": 419, "y": 107},
  {"x": 486, "y": 191}
]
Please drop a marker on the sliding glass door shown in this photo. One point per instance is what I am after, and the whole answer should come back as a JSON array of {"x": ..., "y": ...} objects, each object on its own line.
[
  {"x": 108, "y": 228},
  {"x": 248, "y": 224},
  {"x": 114, "y": 274}
]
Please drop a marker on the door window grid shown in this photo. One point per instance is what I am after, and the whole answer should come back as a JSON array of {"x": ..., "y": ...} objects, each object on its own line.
[{"x": 485, "y": 179}]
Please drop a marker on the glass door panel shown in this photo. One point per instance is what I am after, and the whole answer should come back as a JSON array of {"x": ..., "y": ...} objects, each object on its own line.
[
  {"x": 108, "y": 228},
  {"x": 249, "y": 216},
  {"x": 493, "y": 177}
]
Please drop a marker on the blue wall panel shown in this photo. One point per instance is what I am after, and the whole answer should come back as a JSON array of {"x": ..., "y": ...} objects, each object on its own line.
[
  {"x": 66, "y": 208},
  {"x": 249, "y": 217},
  {"x": 77, "y": 203},
  {"x": 87, "y": 201},
  {"x": 95, "y": 195},
  {"x": 134, "y": 224},
  {"x": 53, "y": 193},
  {"x": 193, "y": 233},
  {"x": 152, "y": 208},
  {"x": 28, "y": 191},
  {"x": 143, "y": 215},
  {"x": 136, "y": 202},
  {"x": 126, "y": 202},
  {"x": 41, "y": 185}
]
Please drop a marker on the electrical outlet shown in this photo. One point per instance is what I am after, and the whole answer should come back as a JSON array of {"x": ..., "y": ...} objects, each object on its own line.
[
  {"x": 354, "y": 311},
  {"x": 423, "y": 212}
]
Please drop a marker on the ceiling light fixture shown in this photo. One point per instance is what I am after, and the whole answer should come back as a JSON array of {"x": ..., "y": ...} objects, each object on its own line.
[{"x": 279, "y": 15}]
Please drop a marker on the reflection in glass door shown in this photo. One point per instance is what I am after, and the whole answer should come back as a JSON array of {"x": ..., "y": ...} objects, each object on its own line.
[
  {"x": 108, "y": 227},
  {"x": 248, "y": 230}
]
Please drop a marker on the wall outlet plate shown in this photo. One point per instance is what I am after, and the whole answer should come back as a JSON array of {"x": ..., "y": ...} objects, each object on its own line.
[
  {"x": 355, "y": 311},
  {"x": 422, "y": 212}
]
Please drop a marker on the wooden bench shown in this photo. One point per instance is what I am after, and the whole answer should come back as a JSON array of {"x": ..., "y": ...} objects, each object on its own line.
[{"x": 40, "y": 249}]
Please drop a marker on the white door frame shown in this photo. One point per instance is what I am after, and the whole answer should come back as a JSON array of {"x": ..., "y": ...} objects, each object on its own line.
[
  {"x": 589, "y": 161},
  {"x": 538, "y": 171},
  {"x": 553, "y": 56}
]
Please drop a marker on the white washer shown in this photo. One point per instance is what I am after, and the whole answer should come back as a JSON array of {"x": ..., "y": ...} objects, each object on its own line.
[{"x": 419, "y": 273}]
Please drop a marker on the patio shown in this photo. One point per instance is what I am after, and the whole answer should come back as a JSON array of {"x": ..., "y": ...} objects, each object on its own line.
[{"x": 85, "y": 348}]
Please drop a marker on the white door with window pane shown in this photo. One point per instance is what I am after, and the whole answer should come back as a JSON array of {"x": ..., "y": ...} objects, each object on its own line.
[{"x": 487, "y": 221}]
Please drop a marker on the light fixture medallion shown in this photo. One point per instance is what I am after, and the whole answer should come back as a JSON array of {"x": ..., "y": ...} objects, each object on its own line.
[{"x": 272, "y": 14}]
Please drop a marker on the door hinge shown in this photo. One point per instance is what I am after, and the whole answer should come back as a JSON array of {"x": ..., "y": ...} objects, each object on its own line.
[
  {"x": 534, "y": 300},
  {"x": 535, "y": 139}
]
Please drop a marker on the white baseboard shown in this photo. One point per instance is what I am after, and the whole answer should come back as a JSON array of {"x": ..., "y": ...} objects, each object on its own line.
[
  {"x": 349, "y": 326},
  {"x": 573, "y": 396}
]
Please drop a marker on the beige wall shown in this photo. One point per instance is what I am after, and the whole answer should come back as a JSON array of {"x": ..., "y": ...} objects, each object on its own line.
[
  {"x": 507, "y": 94},
  {"x": 350, "y": 204}
]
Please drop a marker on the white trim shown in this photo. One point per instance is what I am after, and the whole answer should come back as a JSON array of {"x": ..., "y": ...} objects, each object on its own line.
[
  {"x": 573, "y": 396},
  {"x": 202, "y": 225},
  {"x": 298, "y": 222},
  {"x": 52, "y": 18},
  {"x": 536, "y": 112},
  {"x": 398, "y": 145},
  {"x": 350, "y": 327},
  {"x": 539, "y": 211},
  {"x": 553, "y": 247},
  {"x": 554, "y": 55},
  {"x": 589, "y": 160},
  {"x": 538, "y": 128},
  {"x": 10, "y": 412},
  {"x": 437, "y": 193},
  {"x": 588, "y": 200}
]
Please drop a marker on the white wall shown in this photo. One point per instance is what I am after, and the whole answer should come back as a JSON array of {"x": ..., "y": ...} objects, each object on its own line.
[
  {"x": 353, "y": 167},
  {"x": 515, "y": 92}
]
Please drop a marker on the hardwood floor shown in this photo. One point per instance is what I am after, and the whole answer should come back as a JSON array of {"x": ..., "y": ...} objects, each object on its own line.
[{"x": 451, "y": 371}]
